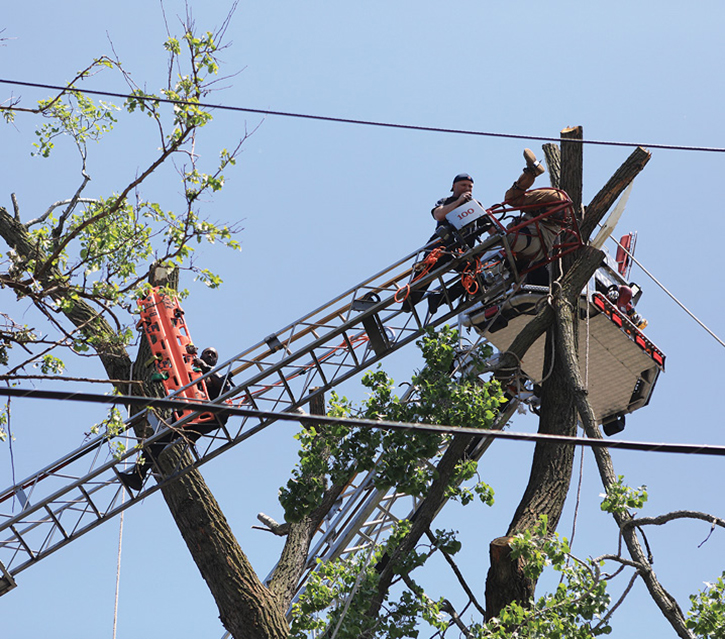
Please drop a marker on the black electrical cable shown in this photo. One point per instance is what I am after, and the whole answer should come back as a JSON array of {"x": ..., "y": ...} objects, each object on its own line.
[
  {"x": 147, "y": 402},
  {"x": 324, "y": 118}
]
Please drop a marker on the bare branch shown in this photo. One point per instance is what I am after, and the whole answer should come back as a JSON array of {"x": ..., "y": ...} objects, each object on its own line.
[
  {"x": 621, "y": 560},
  {"x": 610, "y": 612},
  {"x": 16, "y": 206},
  {"x": 459, "y": 576},
  {"x": 602, "y": 201},
  {"x": 62, "y": 378},
  {"x": 54, "y": 206}
]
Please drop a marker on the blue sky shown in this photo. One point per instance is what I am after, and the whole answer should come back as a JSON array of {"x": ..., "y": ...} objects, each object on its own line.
[{"x": 324, "y": 205}]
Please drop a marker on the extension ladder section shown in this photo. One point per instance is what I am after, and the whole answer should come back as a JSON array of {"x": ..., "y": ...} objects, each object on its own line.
[
  {"x": 286, "y": 370},
  {"x": 280, "y": 374}
]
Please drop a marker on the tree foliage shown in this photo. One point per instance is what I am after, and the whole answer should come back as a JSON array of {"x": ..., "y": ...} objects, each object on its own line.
[
  {"x": 435, "y": 396},
  {"x": 97, "y": 249}
]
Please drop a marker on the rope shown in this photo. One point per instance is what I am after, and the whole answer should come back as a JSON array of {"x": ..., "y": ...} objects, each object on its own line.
[
  {"x": 581, "y": 458},
  {"x": 10, "y": 446},
  {"x": 120, "y": 531},
  {"x": 118, "y": 567},
  {"x": 469, "y": 275},
  {"x": 426, "y": 265},
  {"x": 548, "y": 299},
  {"x": 586, "y": 358}
]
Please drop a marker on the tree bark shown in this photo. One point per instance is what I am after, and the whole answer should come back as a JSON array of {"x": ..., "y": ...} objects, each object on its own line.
[
  {"x": 552, "y": 153},
  {"x": 549, "y": 478},
  {"x": 603, "y": 201},
  {"x": 572, "y": 166},
  {"x": 246, "y": 608}
]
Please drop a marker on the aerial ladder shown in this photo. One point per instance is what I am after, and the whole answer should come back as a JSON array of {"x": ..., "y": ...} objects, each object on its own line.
[{"x": 279, "y": 375}]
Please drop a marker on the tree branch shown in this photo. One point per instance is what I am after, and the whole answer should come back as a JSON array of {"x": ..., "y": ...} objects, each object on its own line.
[
  {"x": 677, "y": 514},
  {"x": 55, "y": 205},
  {"x": 552, "y": 154},
  {"x": 292, "y": 562},
  {"x": 426, "y": 512},
  {"x": 603, "y": 201},
  {"x": 459, "y": 575},
  {"x": 572, "y": 162}
]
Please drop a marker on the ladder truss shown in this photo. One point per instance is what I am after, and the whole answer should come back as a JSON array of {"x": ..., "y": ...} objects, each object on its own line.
[{"x": 281, "y": 373}]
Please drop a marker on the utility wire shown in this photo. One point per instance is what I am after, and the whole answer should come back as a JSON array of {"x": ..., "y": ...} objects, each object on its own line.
[
  {"x": 126, "y": 96},
  {"x": 324, "y": 118},
  {"x": 305, "y": 418}
]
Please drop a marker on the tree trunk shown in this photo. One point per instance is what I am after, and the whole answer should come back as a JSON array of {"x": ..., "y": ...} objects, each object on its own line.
[
  {"x": 551, "y": 467},
  {"x": 548, "y": 484},
  {"x": 292, "y": 562},
  {"x": 572, "y": 166},
  {"x": 246, "y": 608},
  {"x": 505, "y": 581}
]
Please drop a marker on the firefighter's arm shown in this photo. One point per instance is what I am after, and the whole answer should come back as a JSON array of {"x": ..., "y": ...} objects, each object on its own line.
[{"x": 440, "y": 212}]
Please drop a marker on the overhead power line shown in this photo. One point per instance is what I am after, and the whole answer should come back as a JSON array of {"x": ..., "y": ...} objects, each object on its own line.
[
  {"x": 306, "y": 418},
  {"x": 325, "y": 118}
]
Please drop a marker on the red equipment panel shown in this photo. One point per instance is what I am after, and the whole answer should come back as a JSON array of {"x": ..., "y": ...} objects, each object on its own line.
[
  {"x": 624, "y": 253},
  {"x": 162, "y": 321}
]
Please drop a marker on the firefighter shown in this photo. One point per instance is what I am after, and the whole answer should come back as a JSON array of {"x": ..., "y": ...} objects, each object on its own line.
[
  {"x": 215, "y": 386},
  {"x": 462, "y": 190},
  {"x": 527, "y": 243}
]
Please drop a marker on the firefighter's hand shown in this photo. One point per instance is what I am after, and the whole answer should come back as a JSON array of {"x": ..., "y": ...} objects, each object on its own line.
[{"x": 465, "y": 197}]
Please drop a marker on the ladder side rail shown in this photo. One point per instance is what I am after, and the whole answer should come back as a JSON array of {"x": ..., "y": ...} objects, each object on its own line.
[
  {"x": 36, "y": 536},
  {"x": 69, "y": 458},
  {"x": 352, "y": 294},
  {"x": 374, "y": 358},
  {"x": 90, "y": 477},
  {"x": 358, "y": 319},
  {"x": 307, "y": 318}
]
